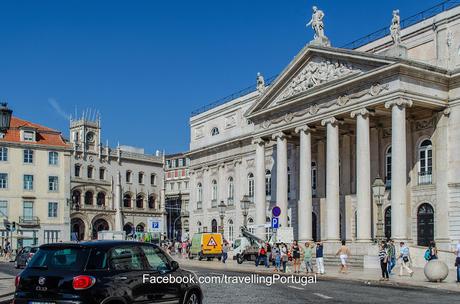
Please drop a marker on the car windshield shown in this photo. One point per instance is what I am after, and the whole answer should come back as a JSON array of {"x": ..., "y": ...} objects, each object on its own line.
[{"x": 59, "y": 258}]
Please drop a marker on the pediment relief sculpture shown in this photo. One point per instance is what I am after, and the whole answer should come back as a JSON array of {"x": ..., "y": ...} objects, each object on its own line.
[{"x": 317, "y": 72}]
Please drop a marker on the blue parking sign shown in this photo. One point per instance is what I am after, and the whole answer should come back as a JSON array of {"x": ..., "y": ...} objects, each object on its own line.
[{"x": 275, "y": 223}]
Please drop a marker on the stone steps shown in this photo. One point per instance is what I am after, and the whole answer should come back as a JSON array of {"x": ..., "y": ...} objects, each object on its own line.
[{"x": 356, "y": 261}]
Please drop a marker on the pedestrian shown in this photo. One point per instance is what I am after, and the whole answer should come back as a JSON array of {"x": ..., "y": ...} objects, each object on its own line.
[
  {"x": 343, "y": 253},
  {"x": 225, "y": 249},
  {"x": 457, "y": 261},
  {"x": 307, "y": 256},
  {"x": 319, "y": 258},
  {"x": 404, "y": 255},
  {"x": 391, "y": 256},
  {"x": 8, "y": 251},
  {"x": 276, "y": 252},
  {"x": 184, "y": 249},
  {"x": 384, "y": 258},
  {"x": 295, "y": 249},
  {"x": 432, "y": 252},
  {"x": 262, "y": 255},
  {"x": 284, "y": 256}
]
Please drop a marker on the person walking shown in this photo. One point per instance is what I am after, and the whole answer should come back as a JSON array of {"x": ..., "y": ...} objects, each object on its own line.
[
  {"x": 284, "y": 256},
  {"x": 391, "y": 256},
  {"x": 8, "y": 251},
  {"x": 225, "y": 249},
  {"x": 457, "y": 261},
  {"x": 276, "y": 252},
  {"x": 307, "y": 257},
  {"x": 384, "y": 258},
  {"x": 319, "y": 258},
  {"x": 343, "y": 253},
  {"x": 295, "y": 249},
  {"x": 404, "y": 255}
]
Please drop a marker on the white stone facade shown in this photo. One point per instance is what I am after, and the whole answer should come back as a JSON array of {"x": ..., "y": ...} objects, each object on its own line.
[{"x": 332, "y": 121}]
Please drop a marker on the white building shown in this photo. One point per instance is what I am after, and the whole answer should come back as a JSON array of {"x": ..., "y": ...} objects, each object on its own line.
[
  {"x": 94, "y": 179},
  {"x": 334, "y": 119},
  {"x": 34, "y": 184}
]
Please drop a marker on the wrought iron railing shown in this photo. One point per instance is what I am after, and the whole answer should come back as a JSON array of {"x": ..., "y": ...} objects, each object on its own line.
[
  {"x": 425, "y": 178},
  {"x": 29, "y": 221}
]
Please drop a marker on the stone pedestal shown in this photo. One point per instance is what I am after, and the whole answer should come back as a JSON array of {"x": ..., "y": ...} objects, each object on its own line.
[
  {"x": 397, "y": 50},
  {"x": 321, "y": 41}
]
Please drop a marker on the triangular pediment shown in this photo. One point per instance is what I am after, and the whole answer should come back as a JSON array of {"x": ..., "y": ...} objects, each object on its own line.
[{"x": 313, "y": 69}]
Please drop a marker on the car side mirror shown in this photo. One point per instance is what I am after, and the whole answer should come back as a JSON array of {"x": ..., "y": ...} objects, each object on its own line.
[{"x": 174, "y": 265}]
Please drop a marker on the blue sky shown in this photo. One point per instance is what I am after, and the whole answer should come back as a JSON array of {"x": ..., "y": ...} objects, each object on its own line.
[{"x": 145, "y": 65}]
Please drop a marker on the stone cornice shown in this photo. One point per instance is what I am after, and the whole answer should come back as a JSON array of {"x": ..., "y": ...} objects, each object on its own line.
[
  {"x": 362, "y": 112},
  {"x": 400, "y": 102}
]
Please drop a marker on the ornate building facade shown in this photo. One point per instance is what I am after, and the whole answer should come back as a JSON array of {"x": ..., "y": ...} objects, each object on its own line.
[
  {"x": 315, "y": 139},
  {"x": 94, "y": 181}
]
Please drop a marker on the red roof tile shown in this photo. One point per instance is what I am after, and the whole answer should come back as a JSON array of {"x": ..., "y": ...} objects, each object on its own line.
[{"x": 45, "y": 135}]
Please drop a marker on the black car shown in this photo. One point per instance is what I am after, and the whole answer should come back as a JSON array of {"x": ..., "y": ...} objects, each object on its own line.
[
  {"x": 24, "y": 256},
  {"x": 104, "y": 272}
]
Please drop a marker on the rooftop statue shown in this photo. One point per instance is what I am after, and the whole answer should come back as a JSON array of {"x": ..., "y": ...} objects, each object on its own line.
[
  {"x": 260, "y": 83},
  {"x": 317, "y": 25},
  {"x": 395, "y": 28}
]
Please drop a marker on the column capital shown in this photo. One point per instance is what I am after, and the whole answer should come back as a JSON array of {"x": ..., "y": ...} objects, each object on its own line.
[
  {"x": 400, "y": 102},
  {"x": 305, "y": 128},
  {"x": 258, "y": 141},
  {"x": 331, "y": 120},
  {"x": 280, "y": 135},
  {"x": 362, "y": 112}
]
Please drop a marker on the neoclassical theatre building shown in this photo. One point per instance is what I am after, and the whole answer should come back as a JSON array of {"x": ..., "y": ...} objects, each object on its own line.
[{"x": 314, "y": 140}]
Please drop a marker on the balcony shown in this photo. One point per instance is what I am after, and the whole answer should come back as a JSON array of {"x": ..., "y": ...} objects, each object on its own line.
[
  {"x": 425, "y": 178},
  {"x": 29, "y": 221}
]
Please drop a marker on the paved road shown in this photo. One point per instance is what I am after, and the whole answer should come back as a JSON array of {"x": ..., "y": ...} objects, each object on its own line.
[
  {"x": 8, "y": 268},
  {"x": 321, "y": 292}
]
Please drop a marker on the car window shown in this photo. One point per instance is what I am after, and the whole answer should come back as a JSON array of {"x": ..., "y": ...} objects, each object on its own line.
[
  {"x": 59, "y": 258},
  {"x": 25, "y": 250},
  {"x": 34, "y": 249},
  {"x": 97, "y": 260},
  {"x": 125, "y": 258},
  {"x": 156, "y": 259}
]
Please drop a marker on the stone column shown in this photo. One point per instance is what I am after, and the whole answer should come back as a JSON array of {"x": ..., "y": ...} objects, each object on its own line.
[
  {"x": 118, "y": 204},
  {"x": 398, "y": 168},
  {"x": 363, "y": 175},
  {"x": 305, "y": 208},
  {"x": 332, "y": 179},
  {"x": 259, "y": 187},
  {"x": 281, "y": 177}
]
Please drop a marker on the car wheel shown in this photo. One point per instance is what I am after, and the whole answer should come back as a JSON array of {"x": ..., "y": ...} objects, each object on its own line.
[
  {"x": 239, "y": 259},
  {"x": 193, "y": 298}
]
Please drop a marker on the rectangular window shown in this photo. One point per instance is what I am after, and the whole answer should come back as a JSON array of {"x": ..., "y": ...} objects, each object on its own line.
[
  {"x": 141, "y": 178},
  {"x": 53, "y": 183},
  {"x": 28, "y": 156},
  {"x": 53, "y": 158},
  {"x": 77, "y": 170},
  {"x": 28, "y": 210},
  {"x": 3, "y": 180},
  {"x": 181, "y": 162},
  {"x": 52, "y": 209},
  {"x": 102, "y": 173},
  {"x": 29, "y": 135},
  {"x": 51, "y": 236},
  {"x": 28, "y": 182},
  {"x": 3, "y": 154},
  {"x": 3, "y": 208},
  {"x": 90, "y": 172}
]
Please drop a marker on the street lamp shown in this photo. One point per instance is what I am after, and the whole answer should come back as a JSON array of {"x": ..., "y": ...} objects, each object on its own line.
[
  {"x": 378, "y": 188},
  {"x": 5, "y": 117},
  {"x": 222, "y": 207},
  {"x": 245, "y": 207}
]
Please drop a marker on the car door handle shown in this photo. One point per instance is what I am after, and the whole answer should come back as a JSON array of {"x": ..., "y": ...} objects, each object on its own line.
[{"x": 121, "y": 278}]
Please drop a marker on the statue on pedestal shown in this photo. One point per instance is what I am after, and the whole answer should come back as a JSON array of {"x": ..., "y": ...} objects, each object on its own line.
[
  {"x": 395, "y": 28},
  {"x": 260, "y": 83},
  {"x": 317, "y": 25}
]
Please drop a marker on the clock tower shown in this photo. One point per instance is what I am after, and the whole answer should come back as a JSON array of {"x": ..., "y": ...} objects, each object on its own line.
[{"x": 85, "y": 132}]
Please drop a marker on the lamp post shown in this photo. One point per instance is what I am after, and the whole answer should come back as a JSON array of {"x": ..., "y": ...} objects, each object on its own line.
[
  {"x": 222, "y": 207},
  {"x": 378, "y": 189},
  {"x": 244, "y": 208},
  {"x": 5, "y": 117}
]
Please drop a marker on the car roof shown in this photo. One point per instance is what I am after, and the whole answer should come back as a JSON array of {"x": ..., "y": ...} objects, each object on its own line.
[{"x": 106, "y": 244}]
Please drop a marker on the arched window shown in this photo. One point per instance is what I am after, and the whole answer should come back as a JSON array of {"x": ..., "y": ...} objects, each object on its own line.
[
  {"x": 198, "y": 225},
  {"x": 425, "y": 224},
  {"x": 140, "y": 201},
  {"x": 140, "y": 227},
  {"x": 251, "y": 225},
  {"x": 199, "y": 196},
  {"x": 314, "y": 178},
  {"x": 388, "y": 167},
  {"x": 127, "y": 200},
  {"x": 151, "y": 201},
  {"x": 76, "y": 197},
  {"x": 88, "y": 198},
  {"x": 268, "y": 182},
  {"x": 425, "y": 164},
  {"x": 128, "y": 176},
  {"x": 215, "y": 131},
  {"x": 251, "y": 185},
  {"x": 231, "y": 191},
  {"x": 214, "y": 226},
  {"x": 214, "y": 193},
  {"x": 100, "y": 200},
  {"x": 230, "y": 230}
]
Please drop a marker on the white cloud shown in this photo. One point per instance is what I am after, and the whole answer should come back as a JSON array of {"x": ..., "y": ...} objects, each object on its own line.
[{"x": 57, "y": 108}]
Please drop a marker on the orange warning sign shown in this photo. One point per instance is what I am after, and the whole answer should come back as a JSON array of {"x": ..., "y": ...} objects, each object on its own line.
[{"x": 212, "y": 242}]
